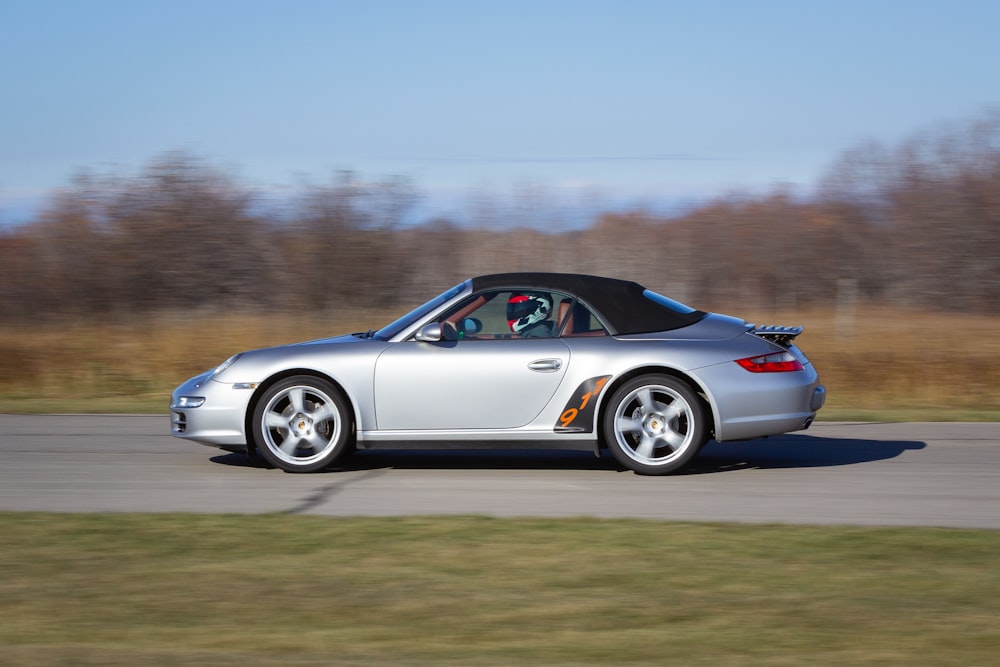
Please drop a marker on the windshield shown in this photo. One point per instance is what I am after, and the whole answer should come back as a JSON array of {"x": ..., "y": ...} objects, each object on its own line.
[{"x": 389, "y": 331}]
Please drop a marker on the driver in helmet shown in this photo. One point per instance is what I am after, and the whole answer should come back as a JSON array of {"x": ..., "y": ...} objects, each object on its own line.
[{"x": 528, "y": 315}]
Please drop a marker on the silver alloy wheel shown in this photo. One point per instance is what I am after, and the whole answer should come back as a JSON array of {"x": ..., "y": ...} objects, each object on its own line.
[
  {"x": 654, "y": 425},
  {"x": 300, "y": 425}
]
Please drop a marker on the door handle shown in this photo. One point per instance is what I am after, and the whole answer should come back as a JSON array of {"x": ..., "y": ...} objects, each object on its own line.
[{"x": 545, "y": 365}]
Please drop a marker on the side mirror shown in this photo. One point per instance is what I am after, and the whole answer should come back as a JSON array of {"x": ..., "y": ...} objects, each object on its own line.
[
  {"x": 430, "y": 333},
  {"x": 471, "y": 325}
]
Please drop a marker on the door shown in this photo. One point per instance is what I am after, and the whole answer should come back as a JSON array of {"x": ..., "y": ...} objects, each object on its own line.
[{"x": 467, "y": 384}]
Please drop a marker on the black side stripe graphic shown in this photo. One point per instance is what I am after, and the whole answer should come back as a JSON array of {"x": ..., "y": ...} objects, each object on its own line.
[{"x": 578, "y": 415}]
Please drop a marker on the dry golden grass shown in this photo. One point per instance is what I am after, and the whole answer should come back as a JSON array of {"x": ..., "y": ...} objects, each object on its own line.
[
  {"x": 132, "y": 366},
  {"x": 877, "y": 363},
  {"x": 914, "y": 365}
]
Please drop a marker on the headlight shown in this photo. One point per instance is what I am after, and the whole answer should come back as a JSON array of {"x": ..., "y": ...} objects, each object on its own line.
[
  {"x": 223, "y": 366},
  {"x": 188, "y": 402}
]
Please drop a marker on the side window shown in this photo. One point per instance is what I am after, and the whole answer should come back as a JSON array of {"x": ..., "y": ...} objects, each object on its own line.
[
  {"x": 511, "y": 314},
  {"x": 575, "y": 319},
  {"x": 505, "y": 314}
]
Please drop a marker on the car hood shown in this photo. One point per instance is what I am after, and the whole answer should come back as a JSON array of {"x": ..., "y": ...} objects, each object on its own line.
[
  {"x": 332, "y": 340},
  {"x": 254, "y": 365},
  {"x": 310, "y": 348}
]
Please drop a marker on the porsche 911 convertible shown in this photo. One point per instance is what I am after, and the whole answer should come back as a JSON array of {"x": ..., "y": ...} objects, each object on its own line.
[{"x": 547, "y": 360}]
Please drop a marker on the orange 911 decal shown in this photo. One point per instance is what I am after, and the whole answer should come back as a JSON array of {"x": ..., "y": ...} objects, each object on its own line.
[{"x": 578, "y": 415}]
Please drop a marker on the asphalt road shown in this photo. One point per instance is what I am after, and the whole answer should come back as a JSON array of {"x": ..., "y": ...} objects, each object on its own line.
[{"x": 918, "y": 474}]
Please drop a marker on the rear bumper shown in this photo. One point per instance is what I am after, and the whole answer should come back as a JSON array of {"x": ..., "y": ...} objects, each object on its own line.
[
  {"x": 753, "y": 405},
  {"x": 819, "y": 398}
]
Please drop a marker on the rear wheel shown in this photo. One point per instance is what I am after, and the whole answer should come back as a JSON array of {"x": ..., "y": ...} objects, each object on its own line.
[
  {"x": 302, "y": 424},
  {"x": 654, "y": 424}
]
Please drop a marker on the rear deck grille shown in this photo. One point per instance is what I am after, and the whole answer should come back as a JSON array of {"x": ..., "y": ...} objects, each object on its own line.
[{"x": 776, "y": 334}]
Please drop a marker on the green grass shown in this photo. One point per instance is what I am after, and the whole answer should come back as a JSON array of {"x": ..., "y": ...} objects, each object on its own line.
[
  {"x": 37, "y": 405},
  {"x": 275, "y": 589}
]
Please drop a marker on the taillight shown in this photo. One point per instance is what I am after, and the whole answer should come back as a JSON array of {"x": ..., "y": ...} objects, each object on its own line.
[{"x": 778, "y": 362}]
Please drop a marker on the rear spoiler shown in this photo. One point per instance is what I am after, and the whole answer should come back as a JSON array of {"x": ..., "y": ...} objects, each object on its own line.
[{"x": 776, "y": 334}]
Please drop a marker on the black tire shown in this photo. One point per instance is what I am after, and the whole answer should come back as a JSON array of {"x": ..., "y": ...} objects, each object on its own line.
[
  {"x": 655, "y": 424},
  {"x": 303, "y": 424}
]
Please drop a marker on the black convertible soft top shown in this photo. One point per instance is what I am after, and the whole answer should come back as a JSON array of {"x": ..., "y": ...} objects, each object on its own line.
[{"x": 620, "y": 303}]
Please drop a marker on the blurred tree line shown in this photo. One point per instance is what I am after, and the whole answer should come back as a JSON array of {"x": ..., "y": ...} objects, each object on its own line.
[{"x": 917, "y": 225}]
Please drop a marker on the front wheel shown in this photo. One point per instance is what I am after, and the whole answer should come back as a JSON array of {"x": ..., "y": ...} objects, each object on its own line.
[
  {"x": 654, "y": 424},
  {"x": 302, "y": 424}
]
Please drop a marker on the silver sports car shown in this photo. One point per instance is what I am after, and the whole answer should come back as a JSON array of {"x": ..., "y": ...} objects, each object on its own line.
[{"x": 545, "y": 360}]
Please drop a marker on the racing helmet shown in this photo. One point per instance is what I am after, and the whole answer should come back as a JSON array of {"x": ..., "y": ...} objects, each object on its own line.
[{"x": 523, "y": 310}]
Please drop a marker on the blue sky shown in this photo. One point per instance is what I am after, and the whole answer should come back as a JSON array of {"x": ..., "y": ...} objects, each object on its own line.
[{"x": 625, "y": 99}]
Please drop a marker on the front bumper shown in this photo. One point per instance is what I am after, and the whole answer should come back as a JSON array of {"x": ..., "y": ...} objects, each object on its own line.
[{"x": 220, "y": 419}]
